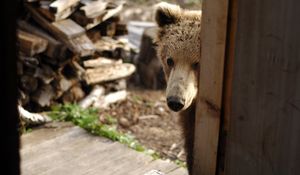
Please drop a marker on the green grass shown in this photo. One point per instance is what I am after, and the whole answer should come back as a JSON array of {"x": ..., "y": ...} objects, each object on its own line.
[{"x": 88, "y": 119}]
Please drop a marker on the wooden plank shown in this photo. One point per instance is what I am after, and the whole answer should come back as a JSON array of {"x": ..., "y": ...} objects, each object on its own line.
[
  {"x": 108, "y": 73},
  {"x": 207, "y": 125},
  {"x": 228, "y": 79},
  {"x": 100, "y": 61},
  {"x": 68, "y": 28},
  {"x": 55, "y": 49},
  {"x": 264, "y": 121},
  {"x": 59, "y": 15},
  {"x": 80, "y": 45},
  {"x": 71, "y": 150},
  {"x": 93, "y": 9},
  {"x": 31, "y": 44},
  {"x": 59, "y": 6},
  {"x": 97, "y": 16},
  {"x": 178, "y": 171}
]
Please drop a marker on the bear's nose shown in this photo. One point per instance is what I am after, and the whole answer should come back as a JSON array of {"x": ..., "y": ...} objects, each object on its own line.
[{"x": 175, "y": 103}]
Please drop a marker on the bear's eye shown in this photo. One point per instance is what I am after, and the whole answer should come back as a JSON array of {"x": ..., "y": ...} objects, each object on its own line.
[
  {"x": 170, "y": 62},
  {"x": 195, "y": 66}
]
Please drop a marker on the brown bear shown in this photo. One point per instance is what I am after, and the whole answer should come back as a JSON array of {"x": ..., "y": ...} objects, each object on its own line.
[{"x": 178, "y": 47}]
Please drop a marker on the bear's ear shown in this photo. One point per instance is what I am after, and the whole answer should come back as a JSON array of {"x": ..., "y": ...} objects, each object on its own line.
[{"x": 167, "y": 14}]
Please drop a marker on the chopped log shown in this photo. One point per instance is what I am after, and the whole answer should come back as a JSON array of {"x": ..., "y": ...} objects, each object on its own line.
[
  {"x": 28, "y": 83},
  {"x": 29, "y": 61},
  {"x": 23, "y": 98},
  {"x": 108, "y": 73},
  {"x": 117, "y": 85},
  {"x": 45, "y": 73},
  {"x": 113, "y": 48},
  {"x": 73, "y": 95},
  {"x": 100, "y": 61},
  {"x": 94, "y": 96},
  {"x": 68, "y": 28},
  {"x": 110, "y": 98},
  {"x": 59, "y": 6},
  {"x": 48, "y": 10},
  {"x": 61, "y": 84},
  {"x": 32, "y": 118},
  {"x": 31, "y": 44},
  {"x": 98, "y": 15},
  {"x": 93, "y": 9},
  {"x": 44, "y": 95},
  {"x": 55, "y": 48},
  {"x": 80, "y": 45},
  {"x": 113, "y": 10}
]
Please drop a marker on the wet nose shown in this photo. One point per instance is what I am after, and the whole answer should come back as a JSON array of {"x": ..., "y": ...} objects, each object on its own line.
[{"x": 175, "y": 103}]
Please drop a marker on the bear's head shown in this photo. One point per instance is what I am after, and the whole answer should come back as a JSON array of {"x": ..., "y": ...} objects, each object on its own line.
[{"x": 178, "y": 47}]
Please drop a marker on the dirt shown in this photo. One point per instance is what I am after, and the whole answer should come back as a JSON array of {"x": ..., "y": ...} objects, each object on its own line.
[{"x": 145, "y": 116}]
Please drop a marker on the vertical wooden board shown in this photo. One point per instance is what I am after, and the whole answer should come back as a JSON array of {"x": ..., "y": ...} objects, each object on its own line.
[
  {"x": 213, "y": 39},
  {"x": 264, "y": 135},
  {"x": 227, "y": 89}
]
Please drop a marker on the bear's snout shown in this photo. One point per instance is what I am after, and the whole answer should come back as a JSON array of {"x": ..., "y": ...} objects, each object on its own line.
[{"x": 175, "y": 103}]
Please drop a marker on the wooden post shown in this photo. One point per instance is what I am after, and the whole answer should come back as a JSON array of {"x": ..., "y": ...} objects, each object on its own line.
[
  {"x": 263, "y": 137},
  {"x": 207, "y": 125}
]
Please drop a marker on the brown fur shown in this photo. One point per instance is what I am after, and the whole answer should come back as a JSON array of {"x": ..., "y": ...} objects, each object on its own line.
[{"x": 178, "y": 38}]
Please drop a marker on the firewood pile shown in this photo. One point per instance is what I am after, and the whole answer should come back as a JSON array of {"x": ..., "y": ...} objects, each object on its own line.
[{"x": 71, "y": 51}]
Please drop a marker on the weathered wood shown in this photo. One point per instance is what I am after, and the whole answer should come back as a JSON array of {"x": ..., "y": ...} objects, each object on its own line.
[
  {"x": 208, "y": 111},
  {"x": 73, "y": 95},
  {"x": 228, "y": 81},
  {"x": 59, "y": 6},
  {"x": 94, "y": 95},
  {"x": 55, "y": 49},
  {"x": 113, "y": 48},
  {"x": 108, "y": 73},
  {"x": 31, "y": 44},
  {"x": 68, "y": 28},
  {"x": 110, "y": 98},
  {"x": 28, "y": 83},
  {"x": 59, "y": 15},
  {"x": 100, "y": 61},
  {"x": 29, "y": 61},
  {"x": 96, "y": 16},
  {"x": 44, "y": 95},
  {"x": 154, "y": 172},
  {"x": 23, "y": 98},
  {"x": 263, "y": 137},
  {"x": 44, "y": 73},
  {"x": 38, "y": 154},
  {"x": 80, "y": 45},
  {"x": 61, "y": 84},
  {"x": 93, "y": 9},
  {"x": 32, "y": 118}
]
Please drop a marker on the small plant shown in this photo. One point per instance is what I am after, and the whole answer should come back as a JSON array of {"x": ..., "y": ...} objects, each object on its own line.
[{"x": 88, "y": 119}]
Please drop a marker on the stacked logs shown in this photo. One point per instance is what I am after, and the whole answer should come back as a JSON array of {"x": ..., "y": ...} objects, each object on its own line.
[{"x": 69, "y": 49}]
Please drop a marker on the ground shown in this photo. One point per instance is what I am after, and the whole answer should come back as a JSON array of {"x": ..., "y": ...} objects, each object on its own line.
[{"x": 145, "y": 115}]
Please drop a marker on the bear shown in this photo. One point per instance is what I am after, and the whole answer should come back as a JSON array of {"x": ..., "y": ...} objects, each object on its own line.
[{"x": 178, "y": 48}]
